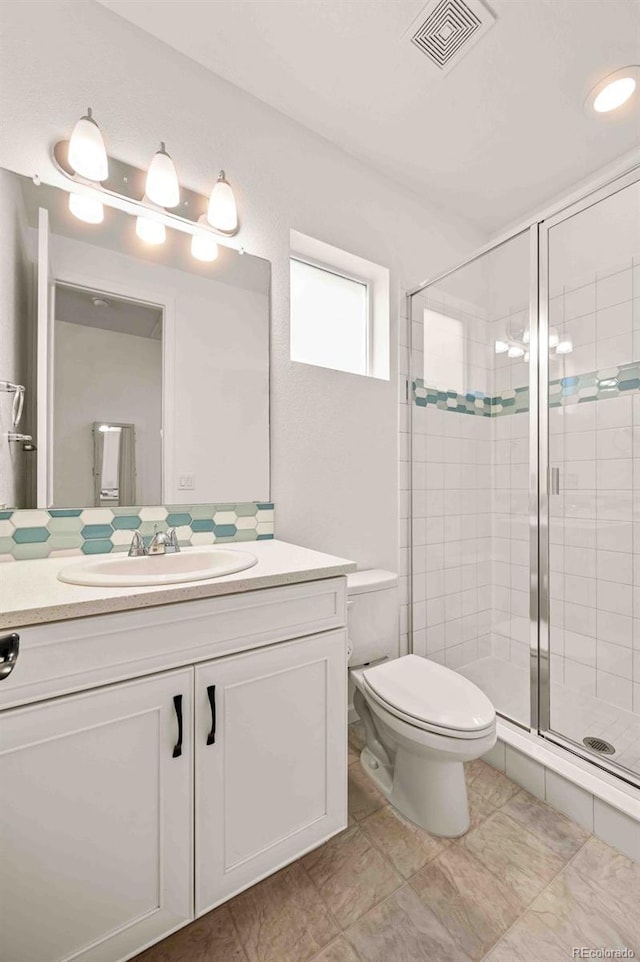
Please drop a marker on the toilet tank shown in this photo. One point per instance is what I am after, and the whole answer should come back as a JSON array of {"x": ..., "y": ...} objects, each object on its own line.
[{"x": 373, "y": 615}]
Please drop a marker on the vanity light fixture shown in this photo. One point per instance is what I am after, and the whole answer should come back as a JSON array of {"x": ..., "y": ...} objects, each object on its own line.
[
  {"x": 222, "y": 212},
  {"x": 502, "y": 347},
  {"x": 517, "y": 345},
  {"x": 86, "y": 208},
  {"x": 87, "y": 153},
  {"x": 203, "y": 243},
  {"x": 614, "y": 91},
  {"x": 162, "y": 187},
  {"x": 515, "y": 350}
]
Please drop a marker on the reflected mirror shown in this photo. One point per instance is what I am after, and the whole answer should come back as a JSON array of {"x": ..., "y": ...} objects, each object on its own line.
[{"x": 145, "y": 370}]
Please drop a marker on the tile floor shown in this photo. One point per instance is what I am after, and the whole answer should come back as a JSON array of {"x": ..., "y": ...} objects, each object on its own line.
[{"x": 525, "y": 884}]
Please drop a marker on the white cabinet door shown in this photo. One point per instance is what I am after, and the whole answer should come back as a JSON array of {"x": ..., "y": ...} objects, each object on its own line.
[
  {"x": 96, "y": 834},
  {"x": 270, "y": 750}
]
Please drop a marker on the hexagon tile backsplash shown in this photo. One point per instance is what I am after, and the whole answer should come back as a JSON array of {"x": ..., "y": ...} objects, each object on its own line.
[{"x": 25, "y": 535}]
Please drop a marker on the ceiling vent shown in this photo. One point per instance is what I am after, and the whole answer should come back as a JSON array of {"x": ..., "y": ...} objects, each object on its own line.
[{"x": 447, "y": 29}]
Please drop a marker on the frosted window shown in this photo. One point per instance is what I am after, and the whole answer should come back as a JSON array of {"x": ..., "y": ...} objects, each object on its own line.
[
  {"x": 443, "y": 352},
  {"x": 329, "y": 319}
]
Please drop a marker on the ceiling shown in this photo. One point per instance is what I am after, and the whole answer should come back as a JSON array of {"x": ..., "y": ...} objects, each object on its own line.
[
  {"x": 75, "y": 305},
  {"x": 500, "y": 134}
]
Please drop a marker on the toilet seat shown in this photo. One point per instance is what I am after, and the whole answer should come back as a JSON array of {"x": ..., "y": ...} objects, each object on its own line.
[{"x": 430, "y": 697}]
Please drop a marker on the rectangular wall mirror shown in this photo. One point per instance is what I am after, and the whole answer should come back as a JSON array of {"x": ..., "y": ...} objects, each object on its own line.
[{"x": 145, "y": 371}]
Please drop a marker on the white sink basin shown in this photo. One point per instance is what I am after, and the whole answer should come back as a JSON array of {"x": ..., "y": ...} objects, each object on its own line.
[{"x": 195, "y": 564}]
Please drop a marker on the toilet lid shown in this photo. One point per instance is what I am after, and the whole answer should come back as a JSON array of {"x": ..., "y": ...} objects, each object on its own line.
[{"x": 431, "y": 693}]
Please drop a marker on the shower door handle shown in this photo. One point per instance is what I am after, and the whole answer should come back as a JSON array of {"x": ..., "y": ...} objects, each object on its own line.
[{"x": 555, "y": 481}]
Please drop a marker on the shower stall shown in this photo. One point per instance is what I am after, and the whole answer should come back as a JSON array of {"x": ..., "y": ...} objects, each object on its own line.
[{"x": 525, "y": 475}]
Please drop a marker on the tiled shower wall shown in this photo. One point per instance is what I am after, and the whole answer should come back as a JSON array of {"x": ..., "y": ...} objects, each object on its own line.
[
  {"x": 595, "y": 526},
  {"x": 470, "y": 496}
]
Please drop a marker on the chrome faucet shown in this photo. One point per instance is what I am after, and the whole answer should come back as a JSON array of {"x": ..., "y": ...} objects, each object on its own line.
[
  {"x": 164, "y": 542},
  {"x": 161, "y": 543}
]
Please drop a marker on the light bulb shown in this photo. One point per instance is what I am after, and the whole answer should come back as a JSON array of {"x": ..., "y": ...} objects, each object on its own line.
[
  {"x": 565, "y": 347},
  {"x": 150, "y": 231},
  {"x": 161, "y": 186},
  {"x": 515, "y": 351},
  {"x": 87, "y": 153},
  {"x": 501, "y": 347},
  {"x": 614, "y": 95},
  {"x": 222, "y": 212},
  {"x": 553, "y": 339},
  {"x": 85, "y": 208},
  {"x": 203, "y": 244}
]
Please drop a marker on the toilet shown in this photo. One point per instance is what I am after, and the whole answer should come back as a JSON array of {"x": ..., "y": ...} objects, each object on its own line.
[{"x": 422, "y": 721}]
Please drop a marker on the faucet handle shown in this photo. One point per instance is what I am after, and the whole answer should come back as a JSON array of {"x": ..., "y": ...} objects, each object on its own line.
[
  {"x": 137, "y": 548},
  {"x": 172, "y": 544}
]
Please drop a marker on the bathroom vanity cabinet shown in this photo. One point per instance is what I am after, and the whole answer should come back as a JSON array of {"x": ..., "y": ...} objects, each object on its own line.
[{"x": 155, "y": 762}]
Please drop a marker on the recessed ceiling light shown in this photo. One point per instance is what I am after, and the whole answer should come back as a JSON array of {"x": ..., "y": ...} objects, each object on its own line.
[{"x": 614, "y": 91}]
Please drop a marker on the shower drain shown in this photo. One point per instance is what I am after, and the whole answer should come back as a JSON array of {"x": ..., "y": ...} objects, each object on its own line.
[{"x": 599, "y": 745}]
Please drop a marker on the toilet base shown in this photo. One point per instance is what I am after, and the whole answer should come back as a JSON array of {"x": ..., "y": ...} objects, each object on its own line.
[{"x": 427, "y": 791}]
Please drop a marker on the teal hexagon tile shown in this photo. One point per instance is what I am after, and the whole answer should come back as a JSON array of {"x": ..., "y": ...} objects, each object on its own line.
[
  {"x": 264, "y": 537},
  {"x": 65, "y": 524},
  {"x": 178, "y": 519},
  {"x": 29, "y": 551},
  {"x": 5, "y": 515},
  {"x": 245, "y": 510},
  {"x": 91, "y": 531},
  {"x": 99, "y": 546},
  {"x": 225, "y": 539},
  {"x": 30, "y": 535},
  {"x": 148, "y": 528},
  {"x": 65, "y": 512},
  {"x": 126, "y": 522},
  {"x": 224, "y": 531},
  {"x": 265, "y": 506},
  {"x": 202, "y": 524}
]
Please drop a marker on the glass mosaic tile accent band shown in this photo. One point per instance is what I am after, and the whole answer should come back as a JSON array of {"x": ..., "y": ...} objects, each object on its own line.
[
  {"x": 30, "y": 534},
  {"x": 595, "y": 386}
]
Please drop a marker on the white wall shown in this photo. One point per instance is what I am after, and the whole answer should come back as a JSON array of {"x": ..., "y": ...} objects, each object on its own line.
[
  {"x": 216, "y": 370},
  {"x": 104, "y": 376},
  {"x": 15, "y": 280},
  {"x": 334, "y": 435}
]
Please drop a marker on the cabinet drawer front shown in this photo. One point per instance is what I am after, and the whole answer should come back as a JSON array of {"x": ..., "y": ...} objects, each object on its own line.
[
  {"x": 73, "y": 655},
  {"x": 270, "y": 748},
  {"x": 96, "y": 821}
]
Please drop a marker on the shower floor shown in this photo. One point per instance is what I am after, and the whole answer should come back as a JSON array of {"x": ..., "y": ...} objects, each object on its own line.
[{"x": 574, "y": 714}]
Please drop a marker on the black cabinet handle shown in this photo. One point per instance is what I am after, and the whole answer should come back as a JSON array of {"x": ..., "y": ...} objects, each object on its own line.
[
  {"x": 177, "y": 704},
  {"x": 9, "y": 648},
  {"x": 211, "y": 692}
]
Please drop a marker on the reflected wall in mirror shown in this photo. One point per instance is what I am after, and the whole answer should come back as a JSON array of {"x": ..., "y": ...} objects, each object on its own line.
[{"x": 169, "y": 354}]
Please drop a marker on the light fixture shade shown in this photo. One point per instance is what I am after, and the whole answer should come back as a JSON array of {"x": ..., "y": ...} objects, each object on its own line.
[
  {"x": 515, "y": 351},
  {"x": 501, "y": 347},
  {"x": 222, "y": 212},
  {"x": 150, "y": 231},
  {"x": 565, "y": 347},
  {"x": 554, "y": 339},
  {"x": 87, "y": 209},
  {"x": 162, "y": 187},
  {"x": 203, "y": 244},
  {"x": 87, "y": 153}
]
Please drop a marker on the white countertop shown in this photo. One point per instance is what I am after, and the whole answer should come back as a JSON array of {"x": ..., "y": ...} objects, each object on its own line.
[{"x": 31, "y": 594}]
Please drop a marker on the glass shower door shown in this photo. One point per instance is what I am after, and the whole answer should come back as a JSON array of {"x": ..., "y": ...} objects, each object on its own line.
[{"x": 590, "y": 487}]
